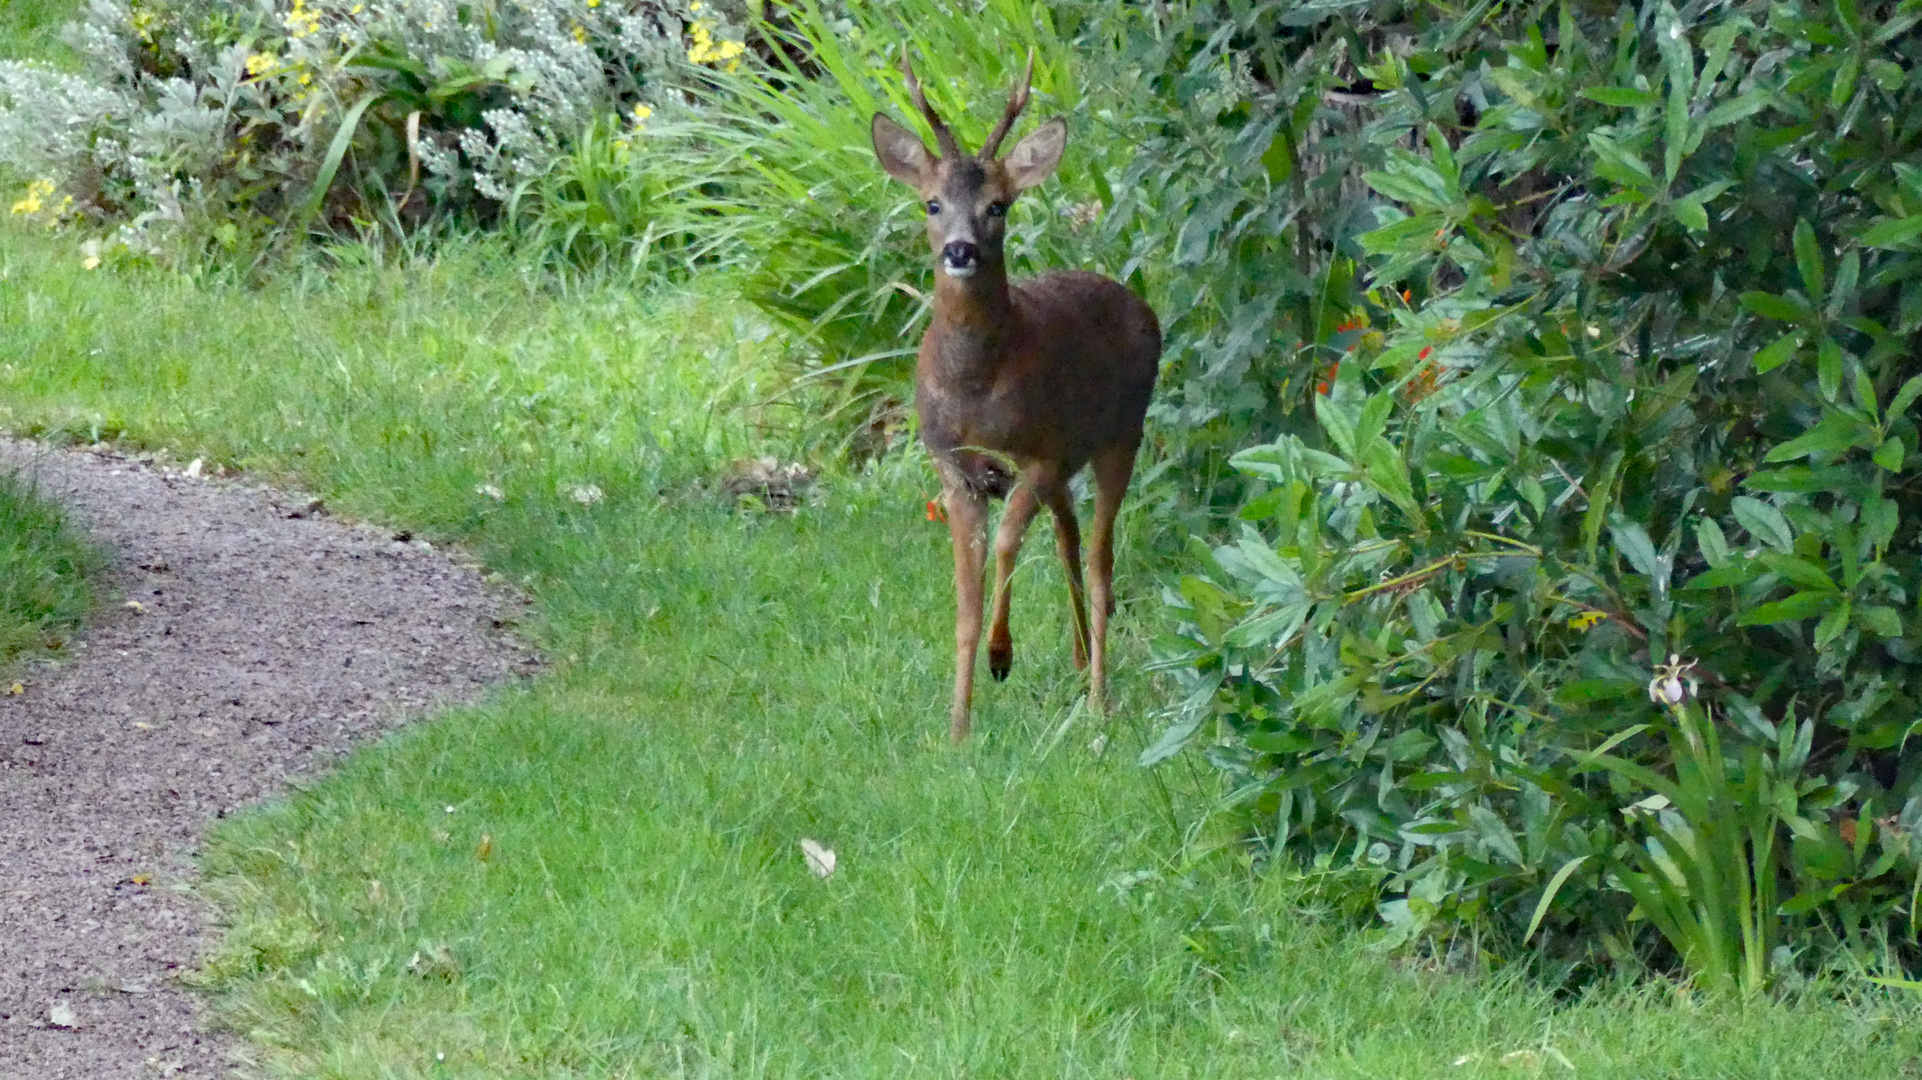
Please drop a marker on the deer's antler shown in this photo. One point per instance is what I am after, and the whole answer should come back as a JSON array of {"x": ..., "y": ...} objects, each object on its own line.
[
  {"x": 943, "y": 138},
  {"x": 1017, "y": 101}
]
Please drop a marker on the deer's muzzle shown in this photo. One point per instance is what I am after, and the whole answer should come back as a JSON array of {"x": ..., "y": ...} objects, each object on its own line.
[{"x": 960, "y": 258}]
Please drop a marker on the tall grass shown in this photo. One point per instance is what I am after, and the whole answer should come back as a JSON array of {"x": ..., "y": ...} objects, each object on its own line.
[{"x": 599, "y": 874}]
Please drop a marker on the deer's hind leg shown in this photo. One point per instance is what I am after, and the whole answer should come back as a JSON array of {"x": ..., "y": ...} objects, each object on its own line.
[
  {"x": 1067, "y": 535},
  {"x": 1007, "y": 545},
  {"x": 1113, "y": 468}
]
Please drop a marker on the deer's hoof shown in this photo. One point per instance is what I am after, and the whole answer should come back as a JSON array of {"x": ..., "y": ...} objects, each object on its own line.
[{"x": 1000, "y": 661}]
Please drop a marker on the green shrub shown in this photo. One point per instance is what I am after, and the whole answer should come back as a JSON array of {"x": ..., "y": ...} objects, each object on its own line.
[{"x": 1625, "y": 414}]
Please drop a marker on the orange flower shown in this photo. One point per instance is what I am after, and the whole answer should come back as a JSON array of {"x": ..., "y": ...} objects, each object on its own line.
[
  {"x": 936, "y": 511},
  {"x": 1328, "y": 378}
]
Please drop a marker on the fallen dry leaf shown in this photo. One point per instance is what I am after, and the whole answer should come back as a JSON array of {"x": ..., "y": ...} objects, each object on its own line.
[
  {"x": 485, "y": 849},
  {"x": 820, "y": 858},
  {"x": 60, "y": 1015},
  {"x": 16, "y": 688}
]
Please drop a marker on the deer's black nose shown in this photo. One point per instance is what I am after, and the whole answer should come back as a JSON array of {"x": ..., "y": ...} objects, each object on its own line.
[{"x": 961, "y": 255}]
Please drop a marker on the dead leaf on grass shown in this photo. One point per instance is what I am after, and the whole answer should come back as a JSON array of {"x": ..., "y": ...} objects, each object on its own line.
[{"x": 820, "y": 857}]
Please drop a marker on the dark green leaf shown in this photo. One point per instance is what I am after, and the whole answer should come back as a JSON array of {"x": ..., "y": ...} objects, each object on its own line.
[
  {"x": 1835, "y": 433},
  {"x": 1883, "y": 622},
  {"x": 1763, "y": 522},
  {"x": 1777, "y": 352},
  {"x": 1623, "y": 97},
  {"x": 1905, "y": 397},
  {"x": 1889, "y": 454},
  {"x": 1808, "y": 260},
  {"x": 1802, "y": 605},
  {"x": 1779, "y": 308},
  {"x": 1799, "y": 570},
  {"x": 1892, "y": 232}
]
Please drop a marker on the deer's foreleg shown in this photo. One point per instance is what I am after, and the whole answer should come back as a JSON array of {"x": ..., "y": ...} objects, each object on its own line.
[
  {"x": 1112, "y": 470},
  {"x": 1067, "y": 535},
  {"x": 968, "y": 526},
  {"x": 1007, "y": 545}
]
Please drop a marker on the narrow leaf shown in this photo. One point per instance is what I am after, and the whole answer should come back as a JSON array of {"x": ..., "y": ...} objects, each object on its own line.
[
  {"x": 1771, "y": 306},
  {"x": 1623, "y": 97},
  {"x": 1808, "y": 260},
  {"x": 1800, "y": 606},
  {"x": 1892, "y": 232},
  {"x": 1548, "y": 895}
]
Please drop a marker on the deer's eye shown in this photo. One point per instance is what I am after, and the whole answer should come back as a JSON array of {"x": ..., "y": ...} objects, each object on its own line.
[
  {"x": 934, "y": 207},
  {"x": 997, "y": 209}
]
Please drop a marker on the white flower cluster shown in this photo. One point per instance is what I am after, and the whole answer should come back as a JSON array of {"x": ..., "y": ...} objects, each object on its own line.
[{"x": 176, "y": 94}]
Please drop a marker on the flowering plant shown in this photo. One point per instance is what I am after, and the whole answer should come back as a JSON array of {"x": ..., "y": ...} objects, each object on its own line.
[{"x": 274, "y": 111}]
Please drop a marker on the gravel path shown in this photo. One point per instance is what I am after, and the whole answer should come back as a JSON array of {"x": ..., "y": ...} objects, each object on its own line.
[{"x": 267, "y": 640}]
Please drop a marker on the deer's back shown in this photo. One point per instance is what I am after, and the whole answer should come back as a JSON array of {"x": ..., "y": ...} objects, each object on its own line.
[{"x": 1074, "y": 377}]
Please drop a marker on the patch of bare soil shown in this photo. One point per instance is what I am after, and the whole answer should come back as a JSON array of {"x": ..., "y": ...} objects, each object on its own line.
[{"x": 251, "y": 639}]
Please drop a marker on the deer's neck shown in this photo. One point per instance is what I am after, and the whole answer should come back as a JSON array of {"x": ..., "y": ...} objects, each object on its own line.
[{"x": 971, "y": 326}]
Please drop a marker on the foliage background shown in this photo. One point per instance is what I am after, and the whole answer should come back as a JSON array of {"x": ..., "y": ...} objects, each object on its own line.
[{"x": 1522, "y": 361}]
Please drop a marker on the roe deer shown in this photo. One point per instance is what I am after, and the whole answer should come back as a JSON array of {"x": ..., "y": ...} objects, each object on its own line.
[{"x": 1019, "y": 386}]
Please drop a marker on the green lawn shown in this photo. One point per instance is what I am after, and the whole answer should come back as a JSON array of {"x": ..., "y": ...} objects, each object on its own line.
[
  {"x": 31, "y": 28},
  {"x": 45, "y": 568},
  {"x": 728, "y": 683}
]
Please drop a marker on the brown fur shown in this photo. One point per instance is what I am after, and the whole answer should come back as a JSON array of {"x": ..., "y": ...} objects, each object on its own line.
[{"x": 1019, "y": 386}]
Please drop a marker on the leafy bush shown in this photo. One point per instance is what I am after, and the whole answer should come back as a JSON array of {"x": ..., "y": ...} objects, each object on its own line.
[{"x": 1624, "y": 416}]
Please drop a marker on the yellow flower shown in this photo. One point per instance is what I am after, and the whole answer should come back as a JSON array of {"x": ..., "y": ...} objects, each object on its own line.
[
  {"x": 580, "y": 34},
  {"x": 642, "y": 110},
  {"x": 91, "y": 262},
  {"x": 261, "y": 63},
  {"x": 1585, "y": 620},
  {"x": 301, "y": 22},
  {"x": 36, "y": 191},
  {"x": 705, "y": 50}
]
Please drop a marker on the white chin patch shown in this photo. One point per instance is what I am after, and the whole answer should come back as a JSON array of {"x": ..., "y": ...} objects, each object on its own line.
[{"x": 958, "y": 271}]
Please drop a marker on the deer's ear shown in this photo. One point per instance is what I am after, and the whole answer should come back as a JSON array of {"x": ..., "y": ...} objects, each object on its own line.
[
  {"x": 902, "y": 153},
  {"x": 1034, "y": 157}
]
